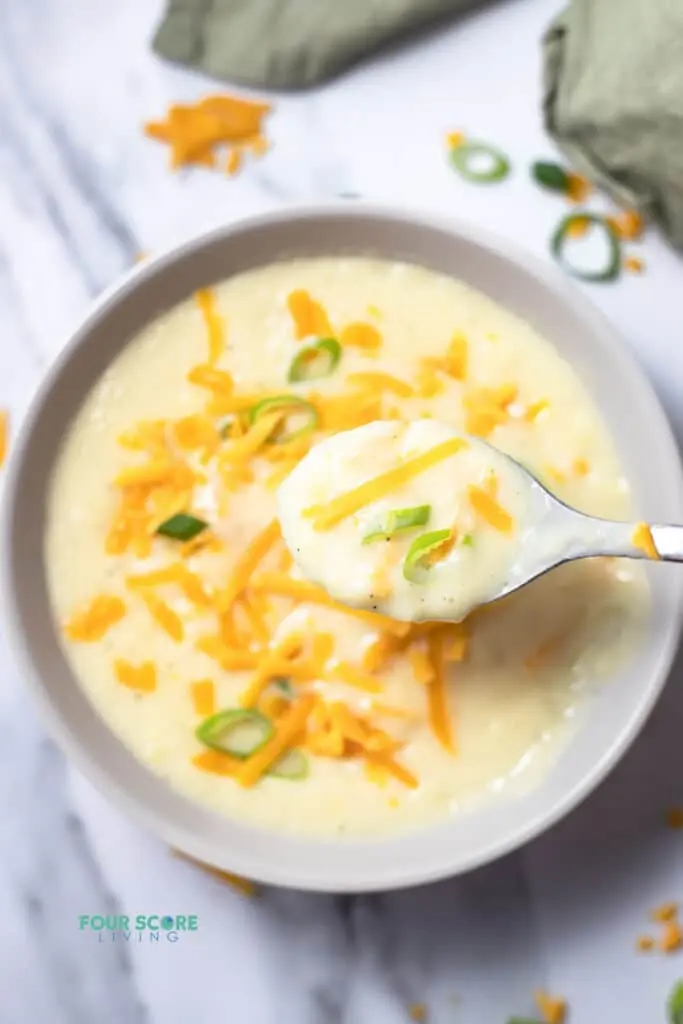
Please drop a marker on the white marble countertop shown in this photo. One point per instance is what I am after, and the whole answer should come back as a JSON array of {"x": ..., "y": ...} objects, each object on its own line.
[{"x": 81, "y": 192}]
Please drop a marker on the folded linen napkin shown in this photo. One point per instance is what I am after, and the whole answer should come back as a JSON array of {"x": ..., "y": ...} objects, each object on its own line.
[{"x": 287, "y": 44}]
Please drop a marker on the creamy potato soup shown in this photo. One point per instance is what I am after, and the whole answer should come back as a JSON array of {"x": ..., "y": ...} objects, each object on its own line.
[{"x": 230, "y": 675}]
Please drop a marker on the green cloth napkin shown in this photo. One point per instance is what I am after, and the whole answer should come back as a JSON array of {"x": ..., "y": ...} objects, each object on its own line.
[
  {"x": 613, "y": 73},
  {"x": 287, "y": 44},
  {"x": 614, "y": 100}
]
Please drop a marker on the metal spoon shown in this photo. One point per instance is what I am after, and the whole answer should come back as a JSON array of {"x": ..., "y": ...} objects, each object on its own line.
[{"x": 563, "y": 534}]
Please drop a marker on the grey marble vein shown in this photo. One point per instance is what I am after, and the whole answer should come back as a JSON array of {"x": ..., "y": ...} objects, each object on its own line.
[{"x": 48, "y": 876}]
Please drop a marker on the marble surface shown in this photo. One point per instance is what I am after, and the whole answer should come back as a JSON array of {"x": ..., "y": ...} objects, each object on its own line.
[{"x": 81, "y": 192}]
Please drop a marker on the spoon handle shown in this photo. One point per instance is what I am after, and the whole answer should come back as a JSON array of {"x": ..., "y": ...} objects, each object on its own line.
[
  {"x": 669, "y": 542},
  {"x": 602, "y": 537}
]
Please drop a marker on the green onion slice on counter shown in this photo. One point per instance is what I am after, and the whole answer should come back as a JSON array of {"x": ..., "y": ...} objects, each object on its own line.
[
  {"x": 416, "y": 566},
  {"x": 239, "y": 731},
  {"x": 467, "y": 541},
  {"x": 558, "y": 243},
  {"x": 292, "y": 765},
  {"x": 317, "y": 359},
  {"x": 397, "y": 521},
  {"x": 674, "y": 1005},
  {"x": 479, "y": 162},
  {"x": 182, "y": 526},
  {"x": 302, "y": 417},
  {"x": 551, "y": 176}
]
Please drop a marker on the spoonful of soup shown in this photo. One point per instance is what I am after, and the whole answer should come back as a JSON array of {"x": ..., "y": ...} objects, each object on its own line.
[{"x": 417, "y": 521}]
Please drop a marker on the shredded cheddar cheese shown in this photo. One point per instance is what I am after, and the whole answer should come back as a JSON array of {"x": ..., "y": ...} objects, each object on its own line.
[
  {"x": 551, "y": 1009},
  {"x": 380, "y": 382},
  {"x": 344, "y": 672},
  {"x": 163, "y": 615},
  {"x": 674, "y": 817},
  {"x": 422, "y": 665},
  {"x": 671, "y": 938},
  {"x": 270, "y": 667},
  {"x": 215, "y": 325},
  {"x": 4, "y": 435},
  {"x": 219, "y": 382},
  {"x": 203, "y": 694},
  {"x": 665, "y": 912},
  {"x": 142, "y": 678},
  {"x": 578, "y": 227},
  {"x": 579, "y": 187},
  {"x": 230, "y": 659},
  {"x": 244, "y": 447},
  {"x": 249, "y": 561},
  {"x": 196, "y": 132},
  {"x": 362, "y": 336},
  {"x": 489, "y": 509},
  {"x": 216, "y": 763},
  {"x": 642, "y": 538},
  {"x": 310, "y": 318},
  {"x": 645, "y": 943},
  {"x": 439, "y": 716},
  {"x": 487, "y": 408},
  {"x": 634, "y": 264},
  {"x": 628, "y": 225},
  {"x": 234, "y": 160},
  {"x": 91, "y": 624},
  {"x": 345, "y": 505}
]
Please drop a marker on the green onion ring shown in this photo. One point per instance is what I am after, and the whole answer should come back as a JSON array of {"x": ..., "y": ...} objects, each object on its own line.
[
  {"x": 221, "y": 731},
  {"x": 557, "y": 245},
  {"x": 315, "y": 360},
  {"x": 292, "y": 765},
  {"x": 414, "y": 567},
  {"x": 296, "y": 405},
  {"x": 398, "y": 520},
  {"x": 461, "y": 158}
]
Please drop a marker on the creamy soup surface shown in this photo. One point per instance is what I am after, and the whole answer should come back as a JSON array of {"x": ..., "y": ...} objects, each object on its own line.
[{"x": 331, "y": 721}]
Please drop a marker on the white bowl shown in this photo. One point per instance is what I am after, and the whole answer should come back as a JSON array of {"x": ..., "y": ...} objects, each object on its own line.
[{"x": 536, "y": 292}]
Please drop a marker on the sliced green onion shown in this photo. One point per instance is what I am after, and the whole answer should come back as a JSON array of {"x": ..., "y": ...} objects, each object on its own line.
[
  {"x": 465, "y": 156},
  {"x": 551, "y": 176},
  {"x": 557, "y": 244},
  {"x": 239, "y": 731},
  {"x": 298, "y": 407},
  {"x": 292, "y": 765},
  {"x": 415, "y": 565},
  {"x": 284, "y": 686},
  {"x": 523, "y": 1020},
  {"x": 182, "y": 526},
  {"x": 674, "y": 1004},
  {"x": 317, "y": 359},
  {"x": 467, "y": 541},
  {"x": 397, "y": 521}
]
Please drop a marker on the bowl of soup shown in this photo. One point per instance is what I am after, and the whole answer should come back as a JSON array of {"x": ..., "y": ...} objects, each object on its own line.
[{"x": 216, "y": 692}]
